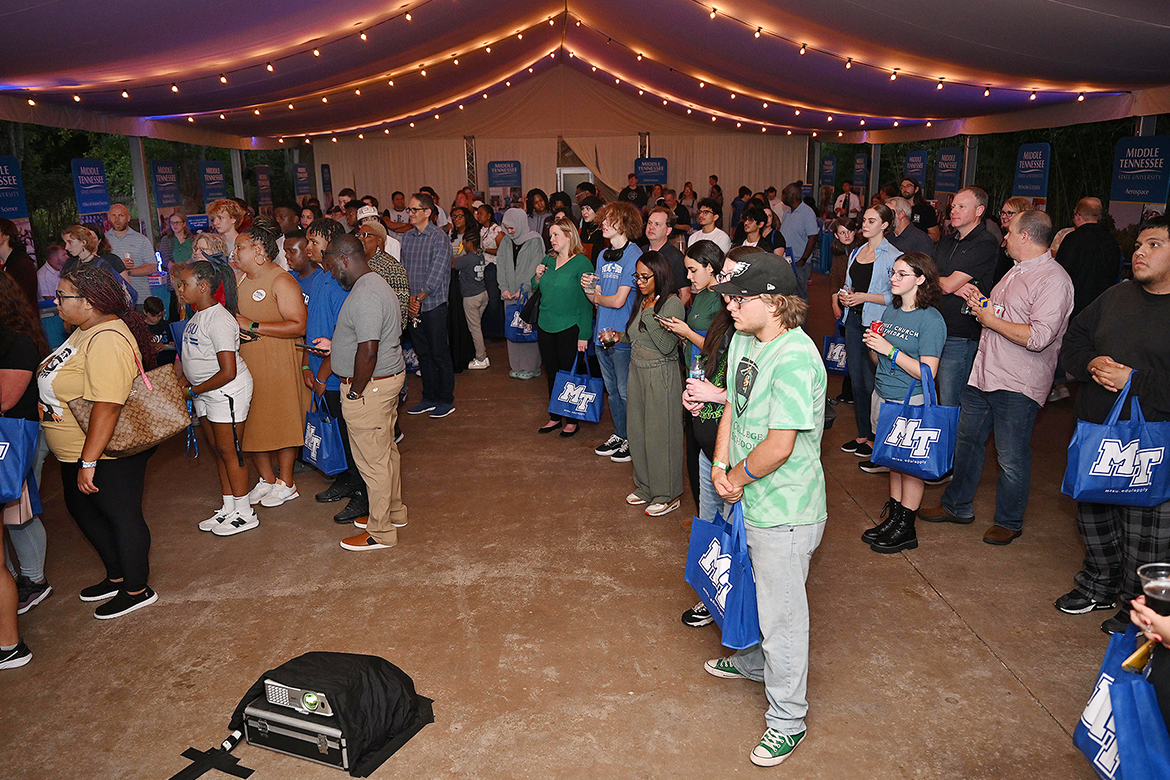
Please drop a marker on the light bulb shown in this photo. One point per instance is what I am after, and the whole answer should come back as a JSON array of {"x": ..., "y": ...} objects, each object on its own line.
[
  {"x": 848, "y": 63},
  {"x": 759, "y": 31},
  {"x": 222, "y": 78},
  {"x": 803, "y": 47},
  {"x": 364, "y": 38},
  {"x": 316, "y": 52},
  {"x": 268, "y": 66},
  {"x": 174, "y": 87}
]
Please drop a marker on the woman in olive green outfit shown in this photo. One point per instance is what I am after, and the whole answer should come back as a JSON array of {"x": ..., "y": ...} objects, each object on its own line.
[
  {"x": 654, "y": 393},
  {"x": 565, "y": 314}
]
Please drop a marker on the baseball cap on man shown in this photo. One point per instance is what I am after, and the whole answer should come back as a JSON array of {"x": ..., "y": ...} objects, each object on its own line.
[
  {"x": 365, "y": 212},
  {"x": 761, "y": 273}
]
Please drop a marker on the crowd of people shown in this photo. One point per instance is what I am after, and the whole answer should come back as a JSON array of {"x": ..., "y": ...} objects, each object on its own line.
[{"x": 696, "y": 331}]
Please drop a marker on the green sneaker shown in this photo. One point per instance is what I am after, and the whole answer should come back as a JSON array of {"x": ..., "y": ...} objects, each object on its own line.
[
  {"x": 722, "y": 667},
  {"x": 774, "y": 747}
]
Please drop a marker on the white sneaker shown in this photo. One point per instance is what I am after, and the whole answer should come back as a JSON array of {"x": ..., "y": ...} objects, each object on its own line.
[
  {"x": 279, "y": 494},
  {"x": 633, "y": 499},
  {"x": 1059, "y": 393},
  {"x": 660, "y": 509},
  {"x": 236, "y": 523},
  {"x": 211, "y": 522},
  {"x": 479, "y": 364},
  {"x": 257, "y": 494}
]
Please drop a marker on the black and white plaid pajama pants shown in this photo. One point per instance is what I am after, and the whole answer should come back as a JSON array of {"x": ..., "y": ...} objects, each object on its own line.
[{"x": 1119, "y": 539}]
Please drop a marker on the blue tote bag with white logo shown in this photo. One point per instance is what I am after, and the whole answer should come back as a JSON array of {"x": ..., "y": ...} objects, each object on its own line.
[
  {"x": 918, "y": 441},
  {"x": 323, "y": 446},
  {"x": 1121, "y": 461},
  {"x": 516, "y": 329},
  {"x": 576, "y": 394},
  {"x": 720, "y": 570},
  {"x": 18, "y": 451}
]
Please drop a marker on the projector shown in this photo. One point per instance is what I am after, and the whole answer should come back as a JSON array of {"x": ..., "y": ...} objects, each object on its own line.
[{"x": 303, "y": 701}]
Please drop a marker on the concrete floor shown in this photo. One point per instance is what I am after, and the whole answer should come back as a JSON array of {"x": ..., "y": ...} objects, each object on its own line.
[{"x": 542, "y": 616}]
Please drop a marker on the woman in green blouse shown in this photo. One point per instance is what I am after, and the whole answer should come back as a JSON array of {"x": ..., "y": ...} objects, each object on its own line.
[
  {"x": 654, "y": 392},
  {"x": 565, "y": 319}
]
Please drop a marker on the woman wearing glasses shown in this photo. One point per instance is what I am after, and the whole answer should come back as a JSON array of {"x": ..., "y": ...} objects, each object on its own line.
[
  {"x": 654, "y": 392},
  {"x": 1011, "y": 207},
  {"x": 865, "y": 295},
  {"x": 913, "y": 333}
]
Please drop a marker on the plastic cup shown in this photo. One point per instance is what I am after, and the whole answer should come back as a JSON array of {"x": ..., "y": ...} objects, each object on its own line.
[{"x": 1155, "y": 579}]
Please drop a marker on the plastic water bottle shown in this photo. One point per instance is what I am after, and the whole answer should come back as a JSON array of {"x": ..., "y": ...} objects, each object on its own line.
[{"x": 697, "y": 370}]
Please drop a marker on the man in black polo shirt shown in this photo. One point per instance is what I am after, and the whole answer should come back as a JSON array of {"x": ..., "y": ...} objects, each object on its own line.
[{"x": 965, "y": 258}]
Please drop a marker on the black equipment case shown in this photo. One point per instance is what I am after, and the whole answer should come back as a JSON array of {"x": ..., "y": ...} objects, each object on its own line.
[{"x": 287, "y": 731}]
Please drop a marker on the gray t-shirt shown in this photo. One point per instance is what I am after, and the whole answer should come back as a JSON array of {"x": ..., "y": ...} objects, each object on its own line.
[
  {"x": 370, "y": 313},
  {"x": 141, "y": 252},
  {"x": 470, "y": 266}
]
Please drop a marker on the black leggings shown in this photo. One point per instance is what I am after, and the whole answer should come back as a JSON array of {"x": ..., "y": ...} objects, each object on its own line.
[
  {"x": 111, "y": 518},
  {"x": 558, "y": 352}
]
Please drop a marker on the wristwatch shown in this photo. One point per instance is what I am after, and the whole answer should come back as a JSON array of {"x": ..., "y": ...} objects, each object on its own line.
[{"x": 351, "y": 395}]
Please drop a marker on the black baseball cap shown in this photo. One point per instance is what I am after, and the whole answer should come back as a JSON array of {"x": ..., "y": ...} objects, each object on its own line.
[{"x": 761, "y": 273}]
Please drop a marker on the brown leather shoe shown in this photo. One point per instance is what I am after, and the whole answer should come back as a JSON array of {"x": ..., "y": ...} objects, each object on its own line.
[
  {"x": 997, "y": 534},
  {"x": 937, "y": 514}
]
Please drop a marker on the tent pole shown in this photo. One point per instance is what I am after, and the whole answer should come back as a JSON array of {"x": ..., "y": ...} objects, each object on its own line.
[
  {"x": 814, "y": 166},
  {"x": 970, "y": 159},
  {"x": 875, "y": 164},
  {"x": 238, "y": 172},
  {"x": 141, "y": 191},
  {"x": 1145, "y": 125}
]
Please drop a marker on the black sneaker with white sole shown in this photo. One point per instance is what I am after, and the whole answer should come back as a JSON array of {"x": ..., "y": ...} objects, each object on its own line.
[
  {"x": 609, "y": 446},
  {"x": 17, "y": 656},
  {"x": 124, "y": 604},
  {"x": 1077, "y": 603},
  {"x": 869, "y": 467},
  {"x": 698, "y": 616},
  {"x": 622, "y": 455},
  {"x": 851, "y": 446},
  {"x": 863, "y": 450},
  {"x": 29, "y": 593},
  {"x": 100, "y": 592}
]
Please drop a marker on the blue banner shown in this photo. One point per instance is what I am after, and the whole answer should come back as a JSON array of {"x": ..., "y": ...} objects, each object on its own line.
[
  {"x": 1139, "y": 170},
  {"x": 1032, "y": 165},
  {"x": 198, "y": 223},
  {"x": 916, "y": 166},
  {"x": 166, "y": 184},
  {"x": 327, "y": 186},
  {"x": 263, "y": 185},
  {"x": 947, "y": 170},
  {"x": 214, "y": 180},
  {"x": 650, "y": 170},
  {"x": 301, "y": 184},
  {"x": 829, "y": 171},
  {"x": 860, "y": 171},
  {"x": 12, "y": 202},
  {"x": 89, "y": 184},
  {"x": 504, "y": 173}
]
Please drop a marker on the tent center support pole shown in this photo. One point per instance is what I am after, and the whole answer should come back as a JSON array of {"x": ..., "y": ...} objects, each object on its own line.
[
  {"x": 970, "y": 159},
  {"x": 238, "y": 172},
  {"x": 1145, "y": 125},
  {"x": 141, "y": 191},
  {"x": 469, "y": 153},
  {"x": 875, "y": 164}
]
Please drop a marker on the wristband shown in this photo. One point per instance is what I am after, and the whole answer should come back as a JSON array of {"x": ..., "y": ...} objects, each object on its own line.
[
  {"x": 893, "y": 351},
  {"x": 191, "y": 392},
  {"x": 894, "y": 360},
  {"x": 89, "y": 464},
  {"x": 752, "y": 476},
  {"x": 304, "y": 368},
  {"x": 254, "y": 327},
  {"x": 719, "y": 464}
]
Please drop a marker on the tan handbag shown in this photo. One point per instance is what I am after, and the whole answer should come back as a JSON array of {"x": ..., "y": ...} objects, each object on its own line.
[{"x": 154, "y": 411}]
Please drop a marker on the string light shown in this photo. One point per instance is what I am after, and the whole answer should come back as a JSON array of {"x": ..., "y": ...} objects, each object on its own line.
[
  {"x": 409, "y": 18},
  {"x": 1032, "y": 96},
  {"x": 357, "y": 92},
  {"x": 424, "y": 72},
  {"x": 1081, "y": 98},
  {"x": 765, "y": 104},
  {"x": 702, "y": 84},
  {"x": 363, "y": 36},
  {"x": 391, "y": 82},
  {"x": 895, "y": 123},
  {"x": 863, "y": 123},
  {"x": 733, "y": 96},
  {"x": 268, "y": 66},
  {"x": 840, "y": 133},
  {"x": 798, "y": 112},
  {"x": 412, "y": 124},
  {"x": 519, "y": 36},
  {"x": 894, "y": 74},
  {"x": 190, "y": 119},
  {"x": 460, "y": 106},
  {"x": 930, "y": 124},
  {"x": 32, "y": 102},
  {"x": 174, "y": 87},
  {"x": 125, "y": 94},
  {"x": 256, "y": 111},
  {"x": 789, "y": 132},
  {"x": 987, "y": 92},
  {"x": 848, "y": 63},
  {"x": 77, "y": 98},
  {"x": 940, "y": 81},
  {"x": 362, "y": 136},
  {"x": 759, "y": 31},
  {"x": 280, "y": 141},
  {"x": 456, "y": 60},
  {"x": 640, "y": 92},
  {"x": 221, "y": 116},
  {"x": 222, "y": 78},
  {"x": 334, "y": 139},
  {"x": 489, "y": 49},
  {"x": 386, "y": 131},
  {"x": 803, "y": 48},
  {"x": 830, "y": 117},
  {"x": 290, "y": 106},
  {"x": 712, "y": 13},
  {"x": 763, "y": 129},
  {"x": 814, "y": 135},
  {"x": 308, "y": 140},
  {"x": 507, "y": 83},
  {"x": 436, "y": 116},
  {"x": 316, "y": 52},
  {"x": 550, "y": 22},
  {"x": 324, "y": 100},
  {"x": 639, "y": 58}
]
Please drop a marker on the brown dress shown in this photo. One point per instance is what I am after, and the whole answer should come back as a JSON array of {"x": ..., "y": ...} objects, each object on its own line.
[{"x": 279, "y": 399}]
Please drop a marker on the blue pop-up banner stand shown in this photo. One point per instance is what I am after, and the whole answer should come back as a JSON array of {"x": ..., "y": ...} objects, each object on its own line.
[
  {"x": 263, "y": 185},
  {"x": 1140, "y": 172},
  {"x": 947, "y": 170},
  {"x": 829, "y": 171},
  {"x": 327, "y": 186},
  {"x": 89, "y": 184},
  {"x": 860, "y": 171},
  {"x": 650, "y": 170},
  {"x": 1032, "y": 166},
  {"x": 13, "y": 205},
  {"x": 214, "y": 181},
  {"x": 301, "y": 184},
  {"x": 915, "y": 167},
  {"x": 504, "y": 173},
  {"x": 166, "y": 184}
]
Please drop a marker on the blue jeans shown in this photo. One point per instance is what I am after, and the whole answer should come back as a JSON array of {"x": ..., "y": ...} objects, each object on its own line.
[
  {"x": 615, "y": 370},
  {"x": 954, "y": 369},
  {"x": 780, "y": 559},
  {"x": 1011, "y": 415},
  {"x": 861, "y": 374},
  {"x": 710, "y": 502}
]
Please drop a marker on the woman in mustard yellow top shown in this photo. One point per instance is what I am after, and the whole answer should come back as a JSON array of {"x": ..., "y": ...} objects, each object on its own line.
[{"x": 98, "y": 362}]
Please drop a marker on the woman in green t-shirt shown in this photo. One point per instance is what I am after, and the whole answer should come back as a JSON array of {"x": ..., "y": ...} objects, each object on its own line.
[{"x": 565, "y": 317}]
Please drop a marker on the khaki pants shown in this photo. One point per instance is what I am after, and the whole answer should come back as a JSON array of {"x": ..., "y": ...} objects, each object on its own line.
[
  {"x": 371, "y": 435},
  {"x": 473, "y": 309}
]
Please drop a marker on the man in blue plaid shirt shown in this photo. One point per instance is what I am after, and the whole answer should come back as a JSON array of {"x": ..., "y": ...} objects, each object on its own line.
[{"x": 426, "y": 255}]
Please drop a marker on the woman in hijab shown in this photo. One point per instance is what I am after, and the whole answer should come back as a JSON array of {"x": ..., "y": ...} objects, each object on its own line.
[{"x": 519, "y": 254}]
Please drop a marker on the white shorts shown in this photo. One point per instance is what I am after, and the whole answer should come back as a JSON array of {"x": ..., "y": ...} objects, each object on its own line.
[{"x": 215, "y": 406}]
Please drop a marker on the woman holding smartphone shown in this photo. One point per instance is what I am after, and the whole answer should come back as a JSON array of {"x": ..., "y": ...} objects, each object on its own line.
[{"x": 654, "y": 390}]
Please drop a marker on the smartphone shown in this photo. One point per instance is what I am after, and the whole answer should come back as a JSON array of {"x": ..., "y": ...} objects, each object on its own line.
[
  {"x": 311, "y": 348},
  {"x": 247, "y": 337}
]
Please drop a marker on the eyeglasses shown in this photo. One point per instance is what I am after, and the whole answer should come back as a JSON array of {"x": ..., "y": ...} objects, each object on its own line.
[
  {"x": 739, "y": 300},
  {"x": 59, "y": 297},
  {"x": 643, "y": 277},
  {"x": 413, "y": 209},
  {"x": 723, "y": 276},
  {"x": 360, "y": 236},
  {"x": 901, "y": 274},
  {"x": 1006, "y": 213},
  {"x": 706, "y": 211}
]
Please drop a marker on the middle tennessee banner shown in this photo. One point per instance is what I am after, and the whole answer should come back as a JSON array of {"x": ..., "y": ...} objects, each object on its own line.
[
  {"x": 1032, "y": 164},
  {"x": 916, "y": 166},
  {"x": 263, "y": 185},
  {"x": 214, "y": 181},
  {"x": 301, "y": 180},
  {"x": 13, "y": 205},
  {"x": 829, "y": 171},
  {"x": 860, "y": 171},
  {"x": 89, "y": 184},
  {"x": 166, "y": 184},
  {"x": 650, "y": 170},
  {"x": 947, "y": 170}
]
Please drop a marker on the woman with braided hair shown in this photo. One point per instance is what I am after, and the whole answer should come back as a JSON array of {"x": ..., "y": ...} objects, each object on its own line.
[
  {"x": 274, "y": 315},
  {"x": 98, "y": 362},
  {"x": 212, "y": 373}
]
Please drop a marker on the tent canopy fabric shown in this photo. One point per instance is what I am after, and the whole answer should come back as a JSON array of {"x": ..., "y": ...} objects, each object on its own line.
[{"x": 742, "y": 66}]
